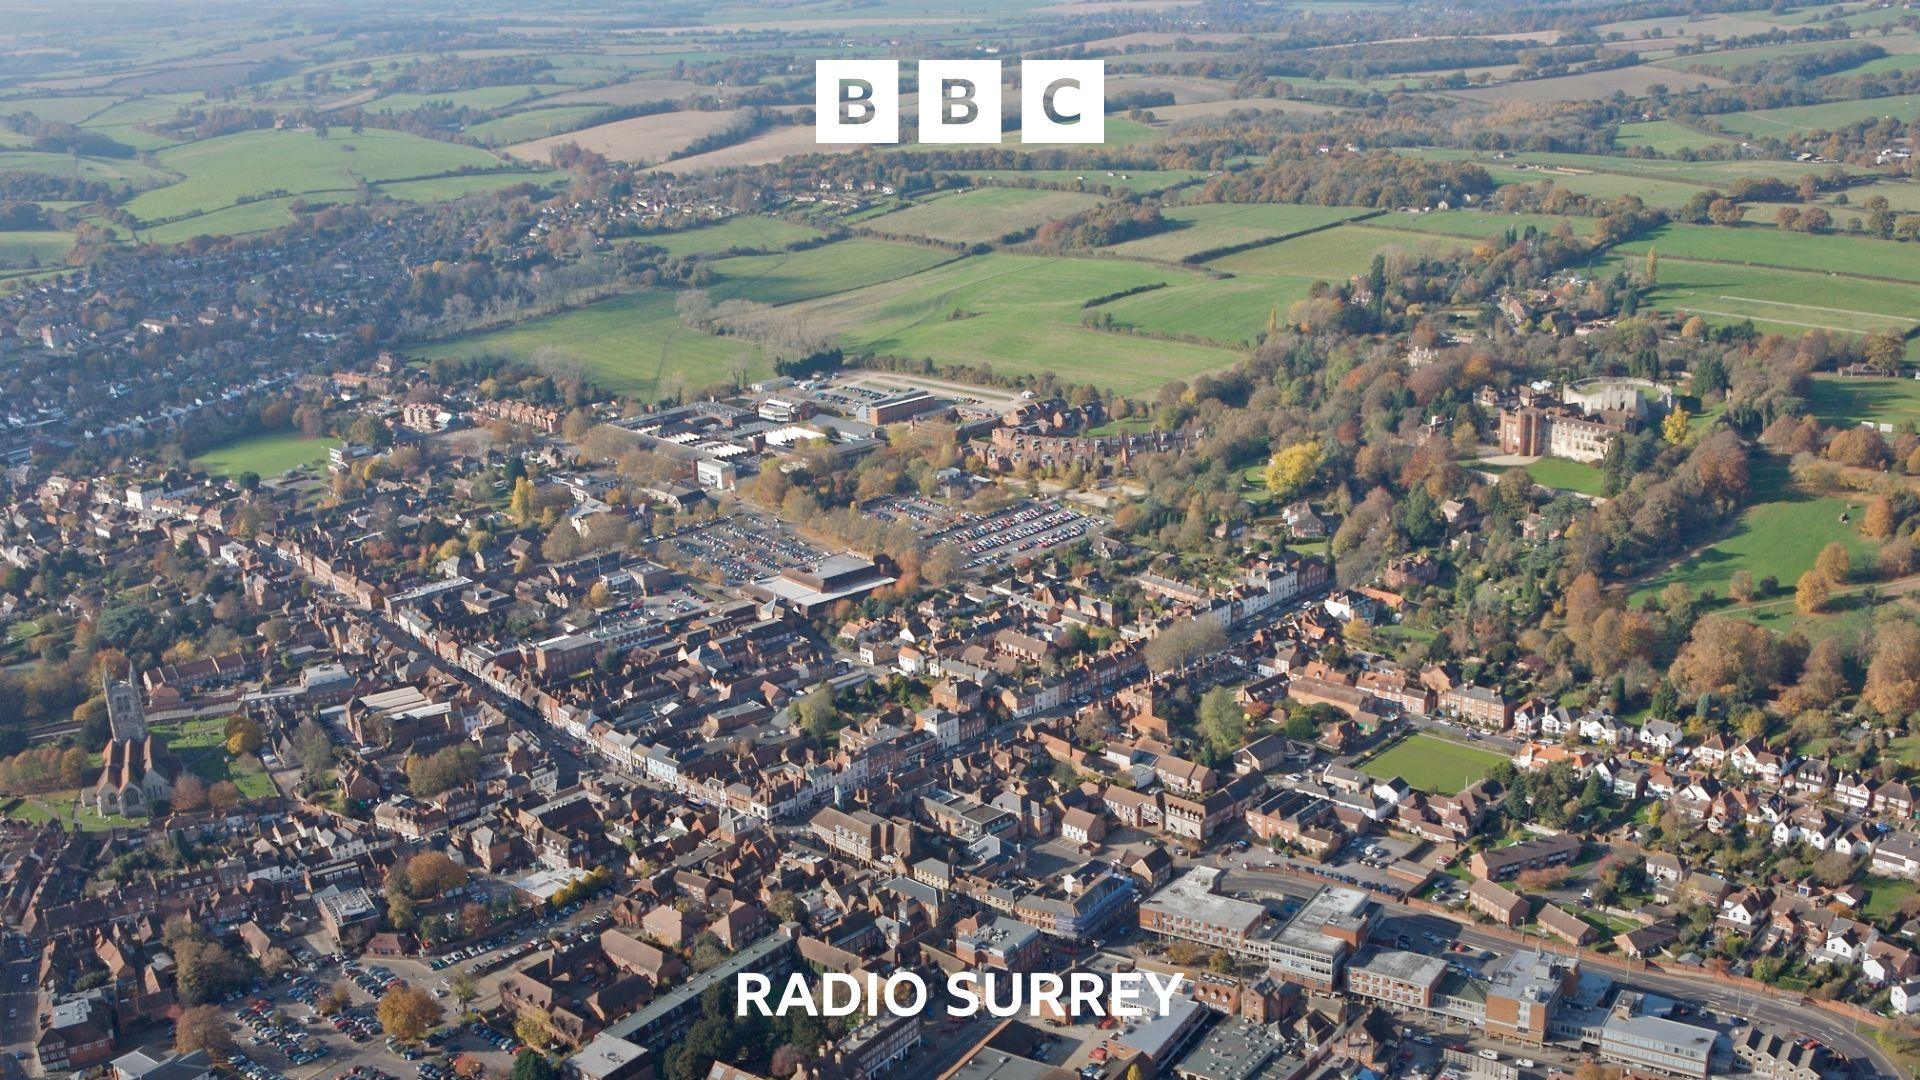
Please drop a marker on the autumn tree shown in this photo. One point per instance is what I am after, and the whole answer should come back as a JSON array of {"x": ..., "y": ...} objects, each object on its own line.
[
  {"x": 1223, "y": 722},
  {"x": 1292, "y": 469},
  {"x": 533, "y": 1026},
  {"x": 243, "y": 736},
  {"x": 1724, "y": 656},
  {"x": 1812, "y": 593},
  {"x": 407, "y": 1014},
  {"x": 202, "y": 1027},
  {"x": 1740, "y": 587},
  {"x": 1676, "y": 426},
  {"x": 1834, "y": 564},
  {"x": 1893, "y": 675},
  {"x": 224, "y": 795},
  {"x": 431, "y": 874}
]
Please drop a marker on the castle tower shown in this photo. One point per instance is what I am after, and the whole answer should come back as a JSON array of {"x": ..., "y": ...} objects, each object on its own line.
[{"x": 125, "y": 716}]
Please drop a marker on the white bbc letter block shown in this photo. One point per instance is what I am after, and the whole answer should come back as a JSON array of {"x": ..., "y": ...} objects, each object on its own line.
[
  {"x": 1063, "y": 101},
  {"x": 856, "y": 101},
  {"x": 960, "y": 101}
]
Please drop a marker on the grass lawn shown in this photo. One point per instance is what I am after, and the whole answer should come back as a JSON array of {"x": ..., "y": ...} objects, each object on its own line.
[
  {"x": 1560, "y": 474},
  {"x": 200, "y": 743},
  {"x": 1843, "y": 402},
  {"x": 634, "y": 345},
  {"x": 984, "y": 215},
  {"x": 746, "y": 232},
  {"x": 1018, "y": 313},
  {"x": 1777, "y": 536},
  {"x": 267, "y": 455},
  {"x": 1433, "y": 764},
  {"x": 1884, "y": 897}
]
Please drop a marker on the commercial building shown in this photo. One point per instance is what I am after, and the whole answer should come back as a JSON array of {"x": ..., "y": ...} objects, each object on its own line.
[
  {"x": 1239, "y": 1049},
  {"x": 1310, "y": 948},
  {"x": 1522, "y": 993},
  {"x": 1408, "y": 979},
  {"x": 1657, "y": 1044}
]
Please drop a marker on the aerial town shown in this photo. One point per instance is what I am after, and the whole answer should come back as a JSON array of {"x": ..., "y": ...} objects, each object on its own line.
[{"x": 1412, "y": 543}]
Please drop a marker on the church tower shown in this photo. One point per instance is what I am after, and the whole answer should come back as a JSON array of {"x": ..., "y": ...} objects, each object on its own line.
[{"x": 125, "y": 716}]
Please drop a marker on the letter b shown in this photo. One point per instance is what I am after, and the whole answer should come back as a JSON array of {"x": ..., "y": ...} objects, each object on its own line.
[
  {"x": 856, "y": 101},
  {"x": 959, "y": 101}
]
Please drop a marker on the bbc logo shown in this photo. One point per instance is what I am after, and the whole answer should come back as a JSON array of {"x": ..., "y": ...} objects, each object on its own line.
[{"x": 1061, "y": 101}]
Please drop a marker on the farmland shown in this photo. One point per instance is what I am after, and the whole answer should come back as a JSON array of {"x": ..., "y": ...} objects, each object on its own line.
[
  {"x": 830, "y": 268},
  {"x": 1475, "y": 224},
  {"x": 1017, "y": 313},
  {"x": 1762, "y": 246},
  {"x": 265, "y": 455},
  {"x": 633, "y": 345},
  {"x": 984, "y": 214},
  {"x": 1787, "y": 301},
  {"x": 226, "y": 171},
  {"x": 1780, "y": 123},
  {"x": 35, "y": 248},
  {"x": 1210, "y": 226},
  {"x": 1329, "y": 255},
  {"x": 742, "y": 233},
  {"x": 1663, "y": 136},
  {"x": 1432, "y": 764}
]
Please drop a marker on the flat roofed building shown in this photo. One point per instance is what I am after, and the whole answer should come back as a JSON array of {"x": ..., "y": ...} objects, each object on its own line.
[
  {"x": 1397, "y": 977},
  {"x": 1664, "y": 1046}
]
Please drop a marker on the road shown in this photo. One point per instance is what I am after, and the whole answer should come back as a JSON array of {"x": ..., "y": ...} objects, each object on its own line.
[
  {"x": 1783, "y": 1013},
  {"x": 18, "y": 1004}
]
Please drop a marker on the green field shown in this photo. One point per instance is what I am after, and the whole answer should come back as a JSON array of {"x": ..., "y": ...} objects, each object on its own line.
[
  {"x": 1433, "y": 764},
  {"x": 743, "y": 233},
  {"x": 106, "y": 170},
  {"x": 1476, "y": 224},
  {"x": 1140, "y": 182},
  {"x": 1663, "y": 136},
  {"x": 483, "y": 97},
  {"x": 252, "y": 217},
  {"x": 634, "y": 345},
  {"x": 983, "y": 215},
  {"x": 1780, "y": 123},
  {"x": 266, "y": 455},
  {"x": 534, "y": 124},
  {"x": 1329, "y": 255},
  {"x": 219, "y": 173},
  {"x": 1209, "y": 226},
  {"x": 1784, "y": 301},
  {"x": 1717, "y": 62},
  {"x": 1560, "y": 474},
  {"x": 1234, "y": 311},
  {"x": 36, "y": 248},
  {"x": 819, "y": 271},
  {"x": 1778, "y": 536},
  {"x": 1884, "y": 897},
  {"x": 1844, "y": 402},
  {"x": 1764, "y": 246},
  {"x": 1018, "y": 313}
]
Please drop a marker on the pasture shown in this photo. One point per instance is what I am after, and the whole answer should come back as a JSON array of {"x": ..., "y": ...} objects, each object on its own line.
[
  {"x": 1843, "y": 402},
  {"x": 983, "y": 215},
  {"x": 225, "y": 171},
  {"x": 745, "y": 232},
  {"x": 1140, "y": 182},
  {"x": 1777, "y": 300},
  {"x": 1782, "y": 123},
  {"x": 1663, "y": 136},
  {"x": 1204, "y": 227},
  {"x": 1432, "y": 764},
  {"x": 1764, "y": 246},
  {"x": 19, "y": 250},
  {"x": 642, "y": 139},
  {"x": 1329, "y": 255},
  {"x": 1017, "y": 313},
  {"x": 532, "y": 124},
  {"x": 634, "y": 345},
  {"x": 831, "y": 268},
  {"x": 266, "y": 454},
  {"x": 1479, "y": 224}
]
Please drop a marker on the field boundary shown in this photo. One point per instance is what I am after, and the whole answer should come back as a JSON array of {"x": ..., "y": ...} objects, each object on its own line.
[{"x": 1225, "y": 250}]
